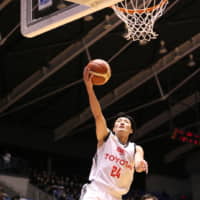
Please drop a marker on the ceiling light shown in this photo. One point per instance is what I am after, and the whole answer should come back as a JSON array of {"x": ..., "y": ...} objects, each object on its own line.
[
  {"x": 108, "y": 24},
  {"x": 163, "y": 48},
  {"x": 88, "y": 18},
  {"x": 142, "y": 42},
  {"x": 191, "y": 62},
  {"x": 61, "y": 5}
]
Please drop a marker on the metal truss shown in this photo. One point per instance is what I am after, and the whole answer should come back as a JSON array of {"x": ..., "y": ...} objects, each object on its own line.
[
  {"x": 61, "y": 59},
  {"x": 130, "y": 85},
  {"x": 175, "y": 110},
  {"x": 4, "y": 3},
  {"x": 175, "y": 153}
]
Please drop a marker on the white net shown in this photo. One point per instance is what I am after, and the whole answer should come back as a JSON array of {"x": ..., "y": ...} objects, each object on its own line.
[{"x": 139, "y": 17}]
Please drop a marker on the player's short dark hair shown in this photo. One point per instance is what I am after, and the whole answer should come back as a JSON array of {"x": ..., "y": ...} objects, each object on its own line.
[
  {"x": 132, "y": 120},
  {"x": 148, "y": 196}
]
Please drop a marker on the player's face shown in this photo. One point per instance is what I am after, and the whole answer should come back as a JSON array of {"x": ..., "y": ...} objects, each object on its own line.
[{"x": 122, "y": 124}]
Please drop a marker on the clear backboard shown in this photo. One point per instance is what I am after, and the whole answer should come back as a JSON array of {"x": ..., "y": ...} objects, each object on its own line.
[{"x": 40, "y": 16}]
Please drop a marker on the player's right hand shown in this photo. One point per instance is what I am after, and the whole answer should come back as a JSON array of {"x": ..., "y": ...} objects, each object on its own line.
[{"x": 87, "y": 77}]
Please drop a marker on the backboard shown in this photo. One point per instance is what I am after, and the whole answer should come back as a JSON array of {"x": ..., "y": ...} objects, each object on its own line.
[{"x": 40, "y": 16}]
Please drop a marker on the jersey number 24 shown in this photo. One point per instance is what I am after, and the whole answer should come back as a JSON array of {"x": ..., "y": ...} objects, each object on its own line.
[{"x": 115, "y": 172}]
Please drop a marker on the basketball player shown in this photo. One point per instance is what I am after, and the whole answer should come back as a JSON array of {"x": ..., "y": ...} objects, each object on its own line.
[{"x": 116, "y": 158}]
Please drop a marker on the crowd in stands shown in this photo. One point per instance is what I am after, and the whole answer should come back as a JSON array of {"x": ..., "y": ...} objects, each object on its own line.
[
  {"x": 3, "y": 194},
  {"x": 11, "y": 164},
  {"x": 68, "y": 188},
  {"x": 62, "y": 188},
  {"x": 63, "y": 194},
  {"x": 6, "y": 196},
  {"x": 137, "y": 194}
]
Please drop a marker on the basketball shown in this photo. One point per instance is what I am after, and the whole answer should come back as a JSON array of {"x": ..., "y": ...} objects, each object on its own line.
[{"x": 101, "y": 71}]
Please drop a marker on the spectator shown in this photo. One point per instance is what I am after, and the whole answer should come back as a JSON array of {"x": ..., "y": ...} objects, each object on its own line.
[
  {"x": 3, "y": 194},
  {"x": 6, "y": 161}
]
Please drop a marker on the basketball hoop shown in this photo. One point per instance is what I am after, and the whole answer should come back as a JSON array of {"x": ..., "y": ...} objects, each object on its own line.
[{"x": 139, "y": 17}]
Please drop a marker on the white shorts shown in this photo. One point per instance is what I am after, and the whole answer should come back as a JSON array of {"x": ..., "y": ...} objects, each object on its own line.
[{"x": 93, "y": 191}]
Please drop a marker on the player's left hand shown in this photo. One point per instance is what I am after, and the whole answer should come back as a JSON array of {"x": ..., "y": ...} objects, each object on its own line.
[{"x": 142, "y": 166}]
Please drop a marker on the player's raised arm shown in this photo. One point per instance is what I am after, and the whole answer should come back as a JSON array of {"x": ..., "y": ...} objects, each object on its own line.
[{"x": 101, "y": 125}]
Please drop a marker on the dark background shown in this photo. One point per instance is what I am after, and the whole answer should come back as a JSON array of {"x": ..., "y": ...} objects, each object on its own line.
[{"x": 29, "y": 119}]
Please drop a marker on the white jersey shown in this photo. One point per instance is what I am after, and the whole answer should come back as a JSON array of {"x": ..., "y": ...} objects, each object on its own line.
[{"x": 113, "y": 165}]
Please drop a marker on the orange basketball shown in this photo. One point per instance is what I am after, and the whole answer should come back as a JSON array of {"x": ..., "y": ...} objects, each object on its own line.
[{"x": 101, "y": 71}]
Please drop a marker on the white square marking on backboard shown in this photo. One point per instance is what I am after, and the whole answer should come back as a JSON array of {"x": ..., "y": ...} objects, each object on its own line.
[{"x": 36, "y": 20}]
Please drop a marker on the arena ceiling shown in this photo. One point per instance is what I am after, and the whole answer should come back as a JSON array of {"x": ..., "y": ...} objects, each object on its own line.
[{"x": 44, "y": 104}]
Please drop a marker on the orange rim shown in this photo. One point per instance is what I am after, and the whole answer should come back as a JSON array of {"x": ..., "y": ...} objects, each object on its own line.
[{"x": 150, "y": 9}]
